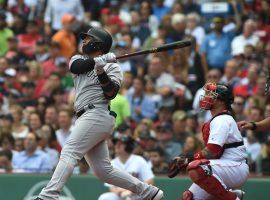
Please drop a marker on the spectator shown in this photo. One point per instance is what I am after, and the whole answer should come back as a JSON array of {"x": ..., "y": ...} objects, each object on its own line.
[
  {"x": 193, "y": 28},
  {"x": 178, "y": 27},
  {"x": 263, "y": 161},
  {"x": 230, "y": 73},
  {"x": 35, "y": 122},
  {"x": 253, "y": 148},
  {"x": 191, "y": 146},
  {"x": 164, "y": 82},
  {"x": 179, "y": 126},
  {"x": 247, "y": 37},
  {"x": 65, "y": 126},
  {"x": 44, "y": 138},
  {"x": 27, "y": 41},
  {"x": 55, "y": 11},
  {"x": 19, "y": 130},
  {"x": 238, "y": 108},
  {"x": 215, "y": 48},
  {"x": 165, "y": 140},
  {"x": 28, "y": 94},
  {"x": 5, "y": 33},
  {"x": 6, "y": 121},
  {"x": 32, "y": 159},
  {"x": 121, "y": 107},
  {"x": 5, "y": 161},
  {"x": 159, "y": 166},
  {"x": 65, "y": 36},
  {"x": 141, "y": 106},
  {"x": 7, "y": 142},
  {"x": 159, "y": 9}
]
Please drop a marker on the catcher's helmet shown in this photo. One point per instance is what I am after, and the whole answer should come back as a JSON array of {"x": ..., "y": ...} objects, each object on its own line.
[
  {"x": 102, "y": 40},
  {"x": 215, "y": 91},
  {"x": 127, "y": 140}
]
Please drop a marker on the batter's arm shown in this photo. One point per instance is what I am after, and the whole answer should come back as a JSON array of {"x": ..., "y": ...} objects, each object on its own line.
[
  {"x": 81, "y": 66},
  {"x": 109, "y": 87}
]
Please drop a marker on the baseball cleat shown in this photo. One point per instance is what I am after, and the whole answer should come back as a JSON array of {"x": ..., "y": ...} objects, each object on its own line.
[
  {"x": 158, "y": 195},
  {"x": 38, "y": 198},
  {"x": 239, "y": 193}
]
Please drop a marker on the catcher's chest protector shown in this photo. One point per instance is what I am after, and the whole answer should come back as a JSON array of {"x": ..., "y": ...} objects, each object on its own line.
[{"x": 206, "y": 126}]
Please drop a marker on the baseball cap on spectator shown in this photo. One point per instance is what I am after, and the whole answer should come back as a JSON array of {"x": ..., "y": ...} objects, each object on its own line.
[
  {"x": 116, "y": 20},
  {"x": 67, "y": 19},
  {"x": 147, "y": 135},
  {"x": 10, "y": 72},
  {"x": 105, "y": 11},
  {"x": 179, "y": 115}
]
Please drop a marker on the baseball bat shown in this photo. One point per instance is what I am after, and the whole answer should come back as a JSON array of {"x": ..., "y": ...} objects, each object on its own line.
[{"x": 165, "y": 47}]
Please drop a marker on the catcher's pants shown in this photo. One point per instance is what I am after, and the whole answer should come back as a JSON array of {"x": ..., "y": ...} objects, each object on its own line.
[
  {"x": 231, "y": 174},
  {"x": 88, "y": 139}
]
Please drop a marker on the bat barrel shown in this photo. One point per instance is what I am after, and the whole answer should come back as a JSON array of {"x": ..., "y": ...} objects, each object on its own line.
[{"x": 166, "y": 47}]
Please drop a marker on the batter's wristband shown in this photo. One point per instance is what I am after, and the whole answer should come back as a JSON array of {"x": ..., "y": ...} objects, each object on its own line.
[
  {"x": 254, "y": 126},
  {"x": 103, "y": 78}
]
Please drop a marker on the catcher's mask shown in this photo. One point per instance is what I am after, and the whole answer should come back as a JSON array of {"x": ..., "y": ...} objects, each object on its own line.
[
  {"x": 214, "y": 91},
  {"x": 127, "y": 140},
  {"x": 101, "y": 41}
]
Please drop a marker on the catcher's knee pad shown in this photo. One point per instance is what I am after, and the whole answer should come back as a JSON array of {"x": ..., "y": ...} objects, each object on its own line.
[
  {"x": 201, "y": 173},
  {"x": 187, "y": 195},
  {"x": 199, "y": 169}
]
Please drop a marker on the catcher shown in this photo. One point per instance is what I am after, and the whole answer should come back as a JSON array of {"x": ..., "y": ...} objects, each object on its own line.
[{"x": 220, "y": 168}]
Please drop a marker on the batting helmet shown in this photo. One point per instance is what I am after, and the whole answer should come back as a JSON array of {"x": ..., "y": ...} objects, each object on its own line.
[
  {"x": 101, "y": 40},
  {"x": 215, "y": 91},
  {"x": 127, "y": 140}
]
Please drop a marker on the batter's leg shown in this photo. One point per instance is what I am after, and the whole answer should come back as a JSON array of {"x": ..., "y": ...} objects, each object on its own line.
[
  {"x": 87, "y": 132},
  {"x": 98, "y": 159},
  {"x": 109, "y": 196}
]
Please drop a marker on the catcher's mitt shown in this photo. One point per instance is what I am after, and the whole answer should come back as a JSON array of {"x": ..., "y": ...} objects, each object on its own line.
[{"x": 176, "y": 165}]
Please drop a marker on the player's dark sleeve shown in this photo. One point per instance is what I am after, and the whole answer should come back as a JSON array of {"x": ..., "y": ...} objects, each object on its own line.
[
  {"x": 211, "y": 151},
  {"x": 109, "y": 87},
  {"x": 81, "y": 66}
]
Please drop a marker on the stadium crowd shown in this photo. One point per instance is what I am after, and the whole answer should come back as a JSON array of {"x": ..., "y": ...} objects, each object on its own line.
[{"x": 158, "y": 104}]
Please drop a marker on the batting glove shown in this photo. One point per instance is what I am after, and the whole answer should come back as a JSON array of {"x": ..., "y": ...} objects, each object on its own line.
[
  {"x": 99, "y": 62},
  {"x": 109, "y": 57}
]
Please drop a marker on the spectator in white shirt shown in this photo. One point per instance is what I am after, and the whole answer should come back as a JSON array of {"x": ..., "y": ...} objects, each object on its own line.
[
  {"x": 239, "y": 42},
  {"x": 65, "y": 124}
]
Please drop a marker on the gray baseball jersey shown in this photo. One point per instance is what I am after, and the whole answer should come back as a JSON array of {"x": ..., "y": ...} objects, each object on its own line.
[{"x": 87, "y": 86}]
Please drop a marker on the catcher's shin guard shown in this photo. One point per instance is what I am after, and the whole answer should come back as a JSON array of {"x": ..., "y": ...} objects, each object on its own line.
[
  {"x": 187, "y": 195},
  {"x": 203, "y": 177}
]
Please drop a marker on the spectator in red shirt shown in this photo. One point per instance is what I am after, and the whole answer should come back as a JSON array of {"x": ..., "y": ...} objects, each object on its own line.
[{"x": 27, "y": 41}]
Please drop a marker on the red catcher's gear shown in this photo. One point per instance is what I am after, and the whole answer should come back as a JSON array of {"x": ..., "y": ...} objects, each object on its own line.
[{"x": 209, "y": 183}]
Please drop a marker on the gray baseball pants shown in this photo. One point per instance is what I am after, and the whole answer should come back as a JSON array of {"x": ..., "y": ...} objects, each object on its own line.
[{"x": 88, "y": 139}]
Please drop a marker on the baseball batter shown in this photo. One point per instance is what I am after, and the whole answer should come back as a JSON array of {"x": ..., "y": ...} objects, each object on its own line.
[
  {"x": 220, "y": 169},
  {"x": 97, "y": 79}
]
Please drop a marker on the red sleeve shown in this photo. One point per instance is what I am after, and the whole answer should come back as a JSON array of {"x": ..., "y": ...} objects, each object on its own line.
[{"x": 215, "y": 150}]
